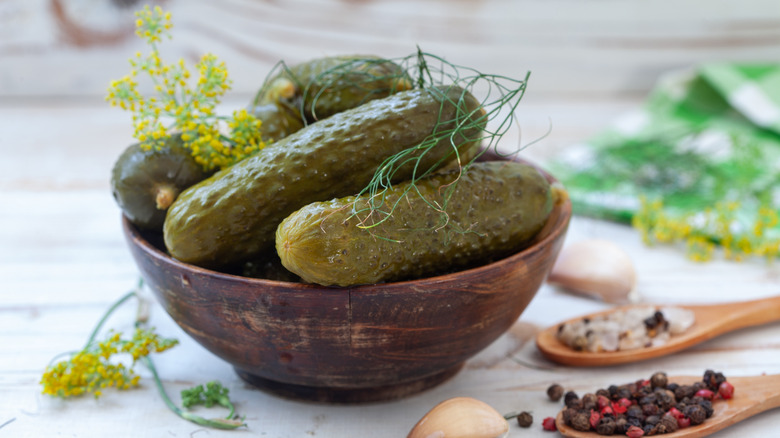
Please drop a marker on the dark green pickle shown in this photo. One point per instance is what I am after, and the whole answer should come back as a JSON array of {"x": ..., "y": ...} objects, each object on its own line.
[
  {"x": 317, "y": 89},
  {"x": 495, "y": 209},
  {"x": 232, "y": 216},
  {"x": 145, "y": 182}
]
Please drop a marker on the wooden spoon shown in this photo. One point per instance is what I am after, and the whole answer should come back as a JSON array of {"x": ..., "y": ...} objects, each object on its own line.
[
  {"x": 752, "y": 395},
  {"x": 711, "y": 321}
]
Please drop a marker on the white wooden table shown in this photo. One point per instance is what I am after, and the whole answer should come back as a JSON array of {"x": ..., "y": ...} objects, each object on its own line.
[{"x": 63, "y": 259}]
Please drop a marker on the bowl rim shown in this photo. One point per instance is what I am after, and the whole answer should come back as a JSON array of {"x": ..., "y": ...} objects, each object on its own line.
[{"x": 562, "y": 217}]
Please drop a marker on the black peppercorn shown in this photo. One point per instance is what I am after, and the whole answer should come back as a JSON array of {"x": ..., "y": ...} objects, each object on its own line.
[
  {"x": 634, "y": 421},
  {"x": 651, "y": 409},
  {"x": 668, "y": 424},
  {"x": 589, "y": 401},
  {"x": 649, "y": 399},
  {"x": 659, "y": 380},
  {"x": 707, "y": 406},
  {"x": 525, "y": 419},
  {"x": 603, "y": 392},
  {"x": 555, "y": 392},
  {"x": 672, "y": 386},
  {"x": 570, "y": 398},
  {"x": 606, "y": 426},
  {"x": 635, "y": 411},
  {"x": 581, "y": 422},
  {"x": 621, "y": 425},
  {"x": 568, "y": 414},
  {"x": 713, "y": 379},
  {"x": 624, "y": 392},
  {"x": 696, "y": 413},
  {"x": 665, "y": 399},
  {"x": 653, "y": 419},
  {"x": 683, "y": 391}
]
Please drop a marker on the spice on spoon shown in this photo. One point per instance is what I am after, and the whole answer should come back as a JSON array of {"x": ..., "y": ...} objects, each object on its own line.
[
  {"x": 631, "y": 328},
  {"x": 646, "y": 407}
]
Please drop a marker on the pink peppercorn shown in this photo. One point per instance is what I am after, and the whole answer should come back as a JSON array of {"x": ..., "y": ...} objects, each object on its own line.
[
  {"x": 549, "y": 424},
  {"x": 726, "y": 390},
  {"x": 602, "y": 402},
  {"x": 705, "y": 394},
  {"x": 634, "y": 432},
  {"x": 683, "y": 422},
  {"x": 621, "y": 406},
  {"x": 674, "y": 412},
  {"x": 594, "y": 419}
]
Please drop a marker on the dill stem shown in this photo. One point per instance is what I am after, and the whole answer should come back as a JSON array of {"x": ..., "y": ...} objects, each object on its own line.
[
  {"x": 227, "y": 424},
  {"x": 110, "y": 311}
]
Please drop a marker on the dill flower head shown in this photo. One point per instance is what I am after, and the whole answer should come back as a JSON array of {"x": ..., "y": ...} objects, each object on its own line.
[
  {"x": 177, "y": 106},
  {"x": 98, "y": 367},
  {"x": 737, "y": 230},
  {"x": 153, "y": 23}
]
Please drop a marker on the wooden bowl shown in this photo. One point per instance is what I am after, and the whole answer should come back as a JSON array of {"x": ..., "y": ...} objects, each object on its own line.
[{"x": 348, "y": 345}]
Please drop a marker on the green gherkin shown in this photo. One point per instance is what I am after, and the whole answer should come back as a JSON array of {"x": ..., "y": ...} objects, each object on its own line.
[
  {"x": 494, "y": 209},
  {"x": 232, "y": 216},
  {"x": 145, "y": 182},
  {"x": 317, "y": 89}
]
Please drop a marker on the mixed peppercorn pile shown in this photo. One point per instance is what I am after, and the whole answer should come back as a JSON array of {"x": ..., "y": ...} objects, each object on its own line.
[{"x": 646, "y": 407}]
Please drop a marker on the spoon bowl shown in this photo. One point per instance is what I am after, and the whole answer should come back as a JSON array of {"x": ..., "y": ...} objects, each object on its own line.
[
  {"x": 710, "y": 321},
  {"x": 752, "y": 395}
]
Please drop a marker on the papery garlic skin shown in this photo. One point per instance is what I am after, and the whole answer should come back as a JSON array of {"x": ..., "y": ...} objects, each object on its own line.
[
  {"x": 461, "y": 417},
  {"x": 596, "y": 268}
]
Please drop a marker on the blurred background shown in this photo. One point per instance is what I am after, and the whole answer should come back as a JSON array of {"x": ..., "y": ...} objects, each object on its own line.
[
  {"x": 589, "y": 60},
  {"x": 598, "y": 48}
]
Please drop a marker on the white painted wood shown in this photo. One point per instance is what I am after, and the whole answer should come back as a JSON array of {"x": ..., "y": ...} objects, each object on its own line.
[{"x": 571, "y": 46}]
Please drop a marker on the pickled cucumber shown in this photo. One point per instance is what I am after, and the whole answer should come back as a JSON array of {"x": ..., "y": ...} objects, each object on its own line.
[
  {"x": 233, "y": 215},
  {"x": 317, "y": 89},
  {"x": 494, "y": 209},
  {"x": 145, "y": 182}
]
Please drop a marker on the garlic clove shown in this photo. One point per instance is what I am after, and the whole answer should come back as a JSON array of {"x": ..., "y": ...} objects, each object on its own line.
[
  {"x": 461, "y": 417},
  {"x": 597, "y": 268}
]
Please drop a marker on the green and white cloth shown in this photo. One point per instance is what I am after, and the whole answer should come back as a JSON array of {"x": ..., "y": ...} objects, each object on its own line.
[{"x": 704, "y": 137}]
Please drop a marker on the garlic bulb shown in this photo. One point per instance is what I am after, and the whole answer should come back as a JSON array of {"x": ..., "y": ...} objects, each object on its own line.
[
  {"x": 461, "y": 417},
  {"x": 596, "y": 268}
]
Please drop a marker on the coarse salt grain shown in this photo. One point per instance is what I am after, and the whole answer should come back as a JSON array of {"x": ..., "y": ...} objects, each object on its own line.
[{"x": 633, "y": 328}]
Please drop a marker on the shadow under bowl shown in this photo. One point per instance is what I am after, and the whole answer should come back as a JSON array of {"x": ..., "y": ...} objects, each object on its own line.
[{"x": 355, "y": 344}]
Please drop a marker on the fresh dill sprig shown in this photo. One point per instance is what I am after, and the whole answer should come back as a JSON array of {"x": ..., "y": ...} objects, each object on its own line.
[
  {"x": 96, "y": 367},
  {"x": 215, "y": 141},
  {"x": 498, "y": 97}
]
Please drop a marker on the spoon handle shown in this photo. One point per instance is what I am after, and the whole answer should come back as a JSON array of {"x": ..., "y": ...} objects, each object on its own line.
[{"x": 732, "y": 316}]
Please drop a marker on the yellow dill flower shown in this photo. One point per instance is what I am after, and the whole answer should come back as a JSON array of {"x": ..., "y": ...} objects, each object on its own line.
[
  {"x": 95, "y": 368},
  {"x": 716, "y": 226},
  {"x": 153, "y": 23},
  {"x": 177, "y": 107}
]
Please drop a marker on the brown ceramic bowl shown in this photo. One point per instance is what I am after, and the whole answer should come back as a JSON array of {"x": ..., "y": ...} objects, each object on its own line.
[{"x": 357, "y": 344}]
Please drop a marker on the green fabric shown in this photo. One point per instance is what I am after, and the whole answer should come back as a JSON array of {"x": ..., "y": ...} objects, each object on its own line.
[{"x": 702, "y": 136}]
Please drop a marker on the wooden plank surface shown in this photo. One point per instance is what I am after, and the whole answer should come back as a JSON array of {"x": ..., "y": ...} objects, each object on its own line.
[
  {"x": 63, "y": 259},
  {"x": 571, "y": 46}
]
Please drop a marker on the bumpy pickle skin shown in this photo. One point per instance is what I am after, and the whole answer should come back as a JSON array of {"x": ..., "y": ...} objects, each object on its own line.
[
  {"x": 495, "y": 209},
  {"x": 317, "y": 89},
  {"x": 232, "y": 216},
  {"x": 144, "y": 183}
]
